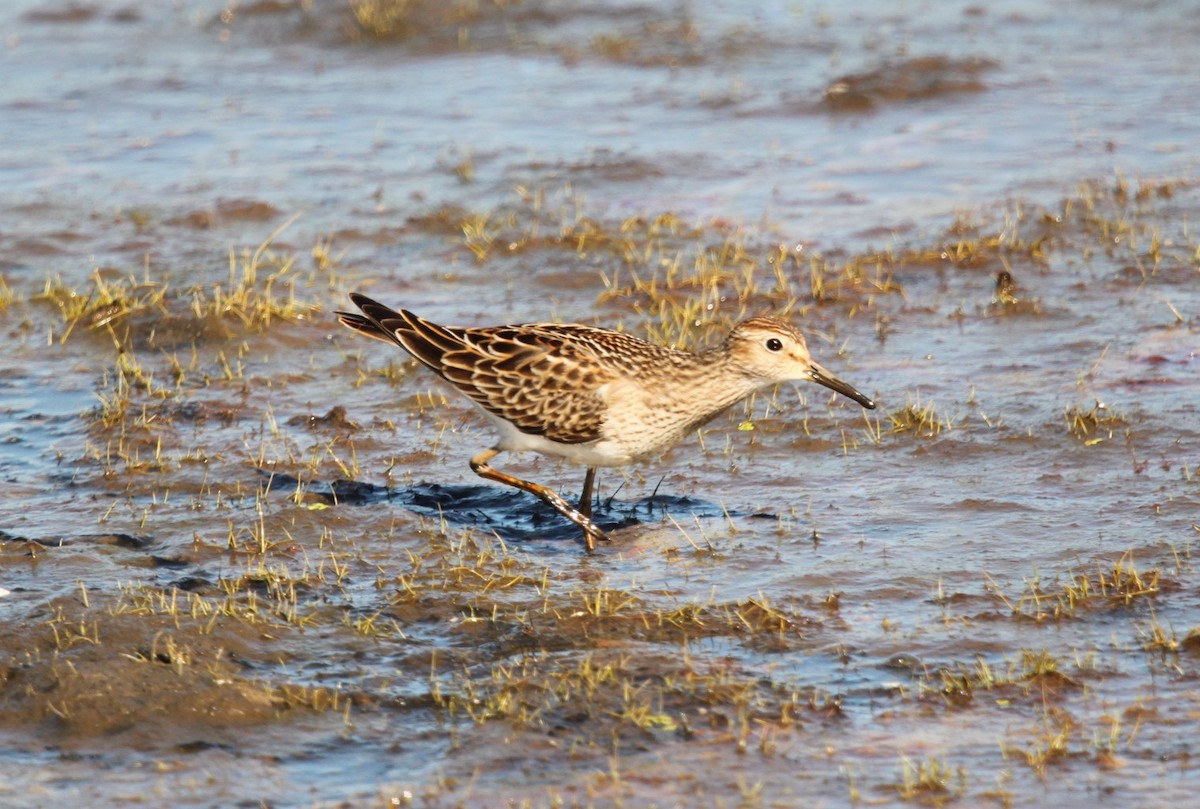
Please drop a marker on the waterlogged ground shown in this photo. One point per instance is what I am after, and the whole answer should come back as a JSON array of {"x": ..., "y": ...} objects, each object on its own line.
[{"x": 243, "y": 560}]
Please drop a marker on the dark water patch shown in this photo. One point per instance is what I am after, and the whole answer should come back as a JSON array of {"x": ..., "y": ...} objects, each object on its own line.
[{"x": 509, "y": 514}]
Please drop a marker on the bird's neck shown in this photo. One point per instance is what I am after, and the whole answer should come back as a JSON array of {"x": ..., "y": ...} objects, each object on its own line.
[{"x": 716, "y": 383}]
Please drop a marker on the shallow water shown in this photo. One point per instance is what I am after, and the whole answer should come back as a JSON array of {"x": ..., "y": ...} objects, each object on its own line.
[{"x": 228, "y": 591}]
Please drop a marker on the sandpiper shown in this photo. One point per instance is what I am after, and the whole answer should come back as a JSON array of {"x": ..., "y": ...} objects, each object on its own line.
[{"x": 590, "y": 395}]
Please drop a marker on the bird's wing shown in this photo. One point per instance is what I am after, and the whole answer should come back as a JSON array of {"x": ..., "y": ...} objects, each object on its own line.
[
  {"x": 364, "y": 326},
  {"x": 542, "y": 378}
]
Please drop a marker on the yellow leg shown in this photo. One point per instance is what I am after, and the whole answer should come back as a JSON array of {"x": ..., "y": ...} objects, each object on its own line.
[
  {"x": 591, "y": 532},
  {"x": 585, "y": 500}
]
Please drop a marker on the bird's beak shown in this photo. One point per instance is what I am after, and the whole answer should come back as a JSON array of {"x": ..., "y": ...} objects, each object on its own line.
[{"x": 823, "y": 377}]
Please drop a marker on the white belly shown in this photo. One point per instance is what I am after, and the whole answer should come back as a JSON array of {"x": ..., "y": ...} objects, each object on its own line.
[{"x": 604, "y": 452}]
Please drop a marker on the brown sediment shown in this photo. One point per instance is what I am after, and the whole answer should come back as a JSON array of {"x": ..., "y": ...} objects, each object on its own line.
[
  {"x": 905, "y": 81},
  {"x": 249, "y": 475}
]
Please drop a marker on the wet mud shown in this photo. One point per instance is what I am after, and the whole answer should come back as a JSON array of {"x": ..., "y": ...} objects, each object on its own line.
[{"x": 243, "y": 559}]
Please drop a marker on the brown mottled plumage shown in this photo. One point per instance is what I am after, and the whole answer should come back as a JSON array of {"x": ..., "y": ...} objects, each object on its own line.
[{"x": 590, "y": 395}]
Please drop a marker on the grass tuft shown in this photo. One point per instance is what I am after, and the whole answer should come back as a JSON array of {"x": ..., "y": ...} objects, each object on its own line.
[{"x": 1094, "y": 425}]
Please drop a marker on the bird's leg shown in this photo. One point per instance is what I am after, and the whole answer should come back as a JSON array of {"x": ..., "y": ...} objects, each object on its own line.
[
  {"x": 479, "y": 465},
  {"x": 585, "y": 500}
]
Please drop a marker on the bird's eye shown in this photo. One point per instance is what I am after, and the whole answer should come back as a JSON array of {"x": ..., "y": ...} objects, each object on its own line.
[{"x": 774, "y": 344}]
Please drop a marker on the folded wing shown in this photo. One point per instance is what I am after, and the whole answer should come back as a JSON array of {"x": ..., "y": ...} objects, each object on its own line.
[{"x": 535, "y": 377}]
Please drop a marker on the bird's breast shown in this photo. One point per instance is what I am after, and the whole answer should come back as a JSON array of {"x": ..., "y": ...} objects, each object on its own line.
[{"x": 648, "y": 419}]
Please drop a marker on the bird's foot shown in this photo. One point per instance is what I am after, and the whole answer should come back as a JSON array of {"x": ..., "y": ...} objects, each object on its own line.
[{"x": 591, "y": 533}]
